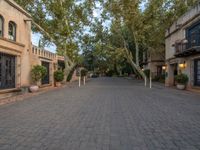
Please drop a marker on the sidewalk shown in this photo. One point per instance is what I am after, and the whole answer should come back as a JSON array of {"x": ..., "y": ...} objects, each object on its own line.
[
  {"x": 21, "y": 97},
  {"x": 159, "y": 85}
]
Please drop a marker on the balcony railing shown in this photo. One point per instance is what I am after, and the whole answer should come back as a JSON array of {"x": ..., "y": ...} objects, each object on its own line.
[
  {"x": 180, "y": 46},
  {"x": 43, "y": 53},
  {"x": 187, "y": 47}
]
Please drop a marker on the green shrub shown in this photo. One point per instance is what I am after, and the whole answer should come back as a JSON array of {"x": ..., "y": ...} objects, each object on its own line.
[
  {"x": 38, "y": 72},
  {"x": 84, "y": 72},
  {"x": 162, "y": 78},
  {"x": 156, "y": 78},
  {"x": 58, "y": 76},
  {"x": 138, "y": 76},
  {"x": 125, "y": 74},
  {"x": 147, "y": 72},
  {"x": 181, "y": 78},
  {"x": 110, "y": 73}
]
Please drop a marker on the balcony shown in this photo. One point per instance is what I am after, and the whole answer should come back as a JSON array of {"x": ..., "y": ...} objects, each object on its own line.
[{"x": 184, "y": 48}]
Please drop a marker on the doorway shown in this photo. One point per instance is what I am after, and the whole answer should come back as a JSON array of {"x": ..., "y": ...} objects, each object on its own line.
[
  {"x": 175, "y": 71},
  {"x": 45, "y": 80},
  {"x": 7, "y": 71},
  {"x": 197, "y": 72}
]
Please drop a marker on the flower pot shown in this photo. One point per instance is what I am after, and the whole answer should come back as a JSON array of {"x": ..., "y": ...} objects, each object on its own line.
[
  {"x": 180, "y": 86},
  {"x": 33, "y": 88},
  {"x": 58, "y": 84}
]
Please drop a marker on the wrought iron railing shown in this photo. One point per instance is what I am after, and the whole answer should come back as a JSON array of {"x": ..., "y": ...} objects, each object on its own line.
[
  {"x": 186, "y": 44},
  {"x": 180, "y": 47}
]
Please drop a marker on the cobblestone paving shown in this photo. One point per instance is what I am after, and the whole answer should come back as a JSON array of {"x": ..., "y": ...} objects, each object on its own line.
[{"x": 106, "y": 114}]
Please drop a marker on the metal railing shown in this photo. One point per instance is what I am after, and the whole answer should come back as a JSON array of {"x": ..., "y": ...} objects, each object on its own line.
[{"x": 186, "y": 44}]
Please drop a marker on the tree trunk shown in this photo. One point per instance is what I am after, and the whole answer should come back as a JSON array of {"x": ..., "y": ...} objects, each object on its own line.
[
  {"x": 69, "y": 65},
  {"x": 136, "y": 49},
  {"x": 132, "y": 63}
]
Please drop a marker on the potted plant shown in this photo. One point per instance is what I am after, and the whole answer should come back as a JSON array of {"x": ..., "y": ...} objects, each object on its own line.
[
  {"x": 58, "y": 77},
  {"x": 38, "y": 72},
  {"x": 182, "y": 80},
  {"x": 84, "y": 73}
]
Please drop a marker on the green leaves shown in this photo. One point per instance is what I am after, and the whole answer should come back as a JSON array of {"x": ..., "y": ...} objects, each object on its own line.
[{"x": 38, "y": 72}]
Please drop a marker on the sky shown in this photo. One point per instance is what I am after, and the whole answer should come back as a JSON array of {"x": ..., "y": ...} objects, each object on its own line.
[
  {"x": 52, "y": 48},
  {"x": 35, "y": 40}
]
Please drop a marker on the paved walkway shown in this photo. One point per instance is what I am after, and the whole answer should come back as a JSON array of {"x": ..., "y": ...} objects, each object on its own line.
[{"x": 106, "y": 114}]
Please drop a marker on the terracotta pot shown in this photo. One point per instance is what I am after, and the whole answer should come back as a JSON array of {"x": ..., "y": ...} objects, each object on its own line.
[
  {"x": 58, "y": 84},
  {"x": 33, "y": 88},
  {"x": 180, "y": 86}
]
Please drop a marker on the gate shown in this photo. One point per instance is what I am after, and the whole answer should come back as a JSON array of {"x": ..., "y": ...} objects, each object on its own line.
[
  {"x": 45, "y": 80},
  {"x": 7, "y": 71}
]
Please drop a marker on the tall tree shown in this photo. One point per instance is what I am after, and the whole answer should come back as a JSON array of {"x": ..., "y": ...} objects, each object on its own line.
[{"x": 62, "y": 21}]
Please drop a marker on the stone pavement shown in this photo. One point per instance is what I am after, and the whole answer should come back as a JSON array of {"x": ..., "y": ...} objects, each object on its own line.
[{"x": 106, "y": 114}]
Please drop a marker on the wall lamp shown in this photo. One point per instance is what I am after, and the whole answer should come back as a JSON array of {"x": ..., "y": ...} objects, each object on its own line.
[
  {"x": 164, "y": 67},
  {"x": 182, "y": 65}
]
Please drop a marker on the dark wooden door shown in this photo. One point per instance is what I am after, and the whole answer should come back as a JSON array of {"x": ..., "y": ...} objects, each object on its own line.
[
  {"x": 7, "y": 71},
  {"x": 197, "y": 72},
  {"x": 175, "y": 72},
  {"x": 159, "y": 71},
  {"x": 45, "y": 80}
]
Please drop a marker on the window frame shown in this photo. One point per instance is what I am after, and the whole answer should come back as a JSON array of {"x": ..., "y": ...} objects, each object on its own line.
[
  {"x": 15, "y": 32},
  {"x": 191, "y": 35}
]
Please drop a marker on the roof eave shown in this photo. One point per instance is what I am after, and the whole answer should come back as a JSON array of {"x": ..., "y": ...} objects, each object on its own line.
[{"x": 15, "y": 5}]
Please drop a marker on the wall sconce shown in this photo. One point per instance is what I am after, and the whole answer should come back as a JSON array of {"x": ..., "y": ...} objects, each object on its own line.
[
  {"x": 164, "y": 67},
  {"x": 182, "y": 65}
]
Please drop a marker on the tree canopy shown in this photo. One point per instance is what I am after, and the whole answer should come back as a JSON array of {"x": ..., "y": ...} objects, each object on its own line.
[{"x": 115, "y": 39}]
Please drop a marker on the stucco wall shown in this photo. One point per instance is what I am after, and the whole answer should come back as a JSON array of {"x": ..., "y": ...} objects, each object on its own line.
[
  {"x": 39, "y": 55},
  {"x": 178, "y": 29},
  {"x": 21, "y": 47},
  {"x": 177, "y": 32}
]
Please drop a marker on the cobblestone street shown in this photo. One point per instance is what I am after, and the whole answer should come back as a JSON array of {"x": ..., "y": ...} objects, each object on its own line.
[{"x": 106, "y": 114}]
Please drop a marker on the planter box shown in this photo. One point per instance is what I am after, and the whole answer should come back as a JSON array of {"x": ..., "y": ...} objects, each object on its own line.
[
  {"x": 33, "y": 88},
  {"x": 180, "y": 86},
  {"x": 58, "y": 84}
]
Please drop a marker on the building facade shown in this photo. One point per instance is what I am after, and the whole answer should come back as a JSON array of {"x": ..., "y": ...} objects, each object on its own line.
[
  {"x": 183, "y": 48},
  {"x": 47, "y": 59},
  {"x": 154, "y": 62},
  {"x": 17, "y": 54},
  {"x": 15, "y": 46}
]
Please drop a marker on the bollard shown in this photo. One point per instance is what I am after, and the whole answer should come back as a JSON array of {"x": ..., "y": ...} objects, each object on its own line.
[
  {"x": 79, "y": 81},
  {"x": 84, "y": 80},
  {"x": 150, "y": 78},
  {"x": 145, "y": 81}
]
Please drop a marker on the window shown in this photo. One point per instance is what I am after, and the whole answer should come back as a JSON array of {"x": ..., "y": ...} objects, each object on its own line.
[
  {"x": 193, "y": 35},
  {"x": 12, "y": 31},
  {"x": 1, "y": 26},
  {"x": 7, "y": 71}
]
